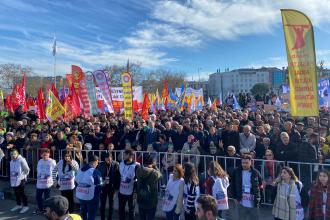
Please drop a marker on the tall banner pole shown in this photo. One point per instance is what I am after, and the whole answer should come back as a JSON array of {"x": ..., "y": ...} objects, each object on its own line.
[{"x": 299, "y": 39}]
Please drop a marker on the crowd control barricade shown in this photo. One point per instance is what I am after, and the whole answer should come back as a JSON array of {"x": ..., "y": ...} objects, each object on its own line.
[
  {"x": 269, "y": 169},
  {"x": 307, "y": 172}
]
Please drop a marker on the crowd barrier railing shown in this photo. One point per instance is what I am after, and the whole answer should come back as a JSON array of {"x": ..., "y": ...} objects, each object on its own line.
[{"x": 269, "y": 169}]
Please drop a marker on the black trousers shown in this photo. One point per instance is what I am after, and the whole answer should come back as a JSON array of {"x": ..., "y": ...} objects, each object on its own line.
[
  {"x": 106, "y": 192},
  {"x": 20, "y": 194},
  {"x": 69, "y": 195},
  {"x": 191, "y": 215},
  {"x": 123, "y": 199}
]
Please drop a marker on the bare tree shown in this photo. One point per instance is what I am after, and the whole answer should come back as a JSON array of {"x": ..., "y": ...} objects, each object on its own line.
[
  {"x": 155, "y": 80},
  {"x": 10, "y": 74},
  {"x": 116, "y": 71}
]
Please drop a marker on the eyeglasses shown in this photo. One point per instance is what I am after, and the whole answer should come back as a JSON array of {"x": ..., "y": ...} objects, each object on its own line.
[{"x": 268, "y": 155}]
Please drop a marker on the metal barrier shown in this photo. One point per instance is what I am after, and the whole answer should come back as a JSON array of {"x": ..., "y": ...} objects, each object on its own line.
[
  {"x": 307, "y": 172},
  {"x": 269, "y": 169}
]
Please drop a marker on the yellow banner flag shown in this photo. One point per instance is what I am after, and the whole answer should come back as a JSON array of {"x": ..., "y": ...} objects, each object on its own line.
[
  {"x": 126, "y": 80},
  {"x": 54, "y": 108},
  {"x": 299, "y": 38}
]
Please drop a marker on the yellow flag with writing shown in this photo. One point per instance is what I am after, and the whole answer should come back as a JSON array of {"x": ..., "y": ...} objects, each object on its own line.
[
  {"x": 54, "y": 108},
  {"x": 299, "y": 39}
]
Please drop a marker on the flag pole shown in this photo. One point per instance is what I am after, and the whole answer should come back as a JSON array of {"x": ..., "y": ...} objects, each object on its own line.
[
  {"x": 55, "y": 70},
  {"x": 54, "y": 55}
]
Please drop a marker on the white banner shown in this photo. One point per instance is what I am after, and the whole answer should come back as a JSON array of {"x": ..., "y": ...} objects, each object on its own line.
[
  {"x": 118, "y": 97},
  {"x": 190, "y": 91}
]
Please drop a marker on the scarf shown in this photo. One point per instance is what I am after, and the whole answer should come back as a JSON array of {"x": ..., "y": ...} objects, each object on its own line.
[{"x": 285, "y": 205}]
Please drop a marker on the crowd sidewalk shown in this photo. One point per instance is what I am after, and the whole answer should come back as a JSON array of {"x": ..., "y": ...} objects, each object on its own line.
[{"x": 30, "y": 189}]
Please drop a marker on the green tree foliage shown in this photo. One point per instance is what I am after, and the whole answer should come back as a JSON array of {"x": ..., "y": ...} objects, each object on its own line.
[{"x": 260, "y": 89}]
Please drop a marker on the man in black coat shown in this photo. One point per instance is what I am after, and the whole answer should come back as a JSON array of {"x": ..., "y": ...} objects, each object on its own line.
[
  {"x": 230, "y": 137},
  {"x": 286, "y": 150},
  {"x": 246, "y": 189},
  {"x": 109, "y": 170}
]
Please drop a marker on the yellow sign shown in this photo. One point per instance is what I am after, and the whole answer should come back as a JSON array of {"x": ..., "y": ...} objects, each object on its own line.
[
  {"x": 126, "y": 80},
  {"x": 299, "y": 38},
  {"x": 54, "y": 109}
]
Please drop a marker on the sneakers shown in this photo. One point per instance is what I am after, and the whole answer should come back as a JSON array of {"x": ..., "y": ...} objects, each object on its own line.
[
  {"x": 37, "y": 212},
  {"x": 16, "y": 208},
  {"x": 24, "y": 209}
]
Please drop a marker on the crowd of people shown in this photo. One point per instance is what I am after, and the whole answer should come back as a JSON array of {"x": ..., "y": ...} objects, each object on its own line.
[{"x": 151, "y": 152}]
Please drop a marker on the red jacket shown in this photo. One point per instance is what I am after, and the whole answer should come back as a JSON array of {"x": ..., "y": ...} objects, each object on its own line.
[{"x": 315, "y": 205}]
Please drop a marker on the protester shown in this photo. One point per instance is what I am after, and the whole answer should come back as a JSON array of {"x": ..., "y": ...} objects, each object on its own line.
[
  {"x": 148, "y": 176},
  {"x": 319, "y": 203},
  {"x": 215, "y": 132},
  {"x": 246, "y": 189},
  {"x": 89, "y": 187},
  {"x": 247, "y": 139},
  {"x": 271, "y": 169},
  {"x": 109, "y": 170},
  {"x": 173, "y": 198},
  {"x": 19, "y": 170},
  {"x": 127, "y": 189},
  {"x": 216, "y": 185},
  {"x": 290, "y": 196},
  {"x": 45, "y": 180},
  {"x": 285, "y": 150},
  {"x": 191, "y": 191},
  {"x": 67, "y": 169},
  {"x": 57, "y": 209}
]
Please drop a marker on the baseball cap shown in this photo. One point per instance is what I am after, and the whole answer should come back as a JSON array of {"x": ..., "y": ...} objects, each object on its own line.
[{"x": 58, "y": 204}]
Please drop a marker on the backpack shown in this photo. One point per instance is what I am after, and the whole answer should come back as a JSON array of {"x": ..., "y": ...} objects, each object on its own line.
[
  {"x": 144, "y": 191},
  {"x": 303, "y": 195}
]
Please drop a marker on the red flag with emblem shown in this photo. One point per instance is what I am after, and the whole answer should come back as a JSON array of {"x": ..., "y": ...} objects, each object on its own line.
[{"x": 55, "y": 92}]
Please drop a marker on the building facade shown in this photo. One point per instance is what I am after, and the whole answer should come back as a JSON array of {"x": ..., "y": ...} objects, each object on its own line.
[{"x": 242, "y": 80}]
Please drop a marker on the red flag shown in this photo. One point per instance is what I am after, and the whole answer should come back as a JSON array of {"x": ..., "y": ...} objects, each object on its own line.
[
  {"x": 40, "y": 104},
  {"x": 68, "y": 107},
  {"x": 15, "y": 97},
  {"x": 69, "y": 79},
  {"x": 145, "y": 107},
  {"x": 30, "y": 103},
  {"x": 75, "y": 102},
  {"x": 8, "y": 103},
  {"x": 18, "y": 95},
  {"x": 22, "y": 93},
  {"x": 165, "y": 93},
  {"x": 55, "y": 92}
]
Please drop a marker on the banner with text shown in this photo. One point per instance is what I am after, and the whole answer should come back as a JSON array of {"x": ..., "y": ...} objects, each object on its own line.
[
  {"x": 299, "y": 38},
  {"x": 189, "y": 91},
  {"x": 126, "y": 80},
  {"x": 102, "y": 82},
  {"x": 117, "y": 94}
]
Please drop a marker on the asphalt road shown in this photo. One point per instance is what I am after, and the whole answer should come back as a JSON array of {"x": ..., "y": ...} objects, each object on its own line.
[{"x": 6, "y": 214}]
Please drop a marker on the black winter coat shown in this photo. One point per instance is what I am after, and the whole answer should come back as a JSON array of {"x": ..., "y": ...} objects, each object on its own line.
[{"x": 256, "y": 185}]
